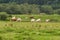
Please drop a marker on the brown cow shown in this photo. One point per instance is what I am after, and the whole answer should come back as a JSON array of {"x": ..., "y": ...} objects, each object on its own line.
[{"x": 14, "y": 18}]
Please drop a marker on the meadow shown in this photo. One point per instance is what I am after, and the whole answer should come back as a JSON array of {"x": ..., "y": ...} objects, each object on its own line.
[{"x": 10, "y": 30}]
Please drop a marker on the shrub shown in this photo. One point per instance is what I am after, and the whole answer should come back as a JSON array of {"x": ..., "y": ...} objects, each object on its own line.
[{"x": 3, "y": 16}]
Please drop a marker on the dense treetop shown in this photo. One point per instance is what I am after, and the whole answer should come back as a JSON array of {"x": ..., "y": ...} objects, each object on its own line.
[
  {"x": 30, "y": 6},
  {"x": 41, "y": 2}
]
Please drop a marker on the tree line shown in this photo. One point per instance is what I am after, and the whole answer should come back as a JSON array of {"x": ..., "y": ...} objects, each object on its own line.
[
  {"x": 41, "y": 2},
  {"x": 30, "y": 6}
]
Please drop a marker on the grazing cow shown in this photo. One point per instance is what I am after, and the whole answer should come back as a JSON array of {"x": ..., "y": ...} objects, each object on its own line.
[
  {"x": 38, "y": 20},
  {"x": 31, "y": 17},
  {"x": 47, "y": 20},
  {"x": 18, "y": 19},
  {"x": 32, "y": 20},
  {"x": 14, "y": 18}
]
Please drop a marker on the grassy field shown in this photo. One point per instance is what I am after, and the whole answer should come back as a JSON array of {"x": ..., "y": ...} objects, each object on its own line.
[{"x": 29, "y": 30}]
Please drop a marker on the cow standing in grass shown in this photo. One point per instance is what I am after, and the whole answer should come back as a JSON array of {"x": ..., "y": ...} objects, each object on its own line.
[
  {"x": 31, "y": 17},
  {"x": 47, "y": 20},
  {"x": 19, "y": 19},
  {"x": 32, "y": 20},
  {"x": 38, "y": 20},
  {"x": 14, "y": 18}
]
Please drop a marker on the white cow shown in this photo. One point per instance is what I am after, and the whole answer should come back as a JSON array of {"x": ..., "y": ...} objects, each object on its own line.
[
  {"x": 47, "y": 20},
  {"x": 13, "y": 17},
  {"x": 32, "y": 20},
  {"x": 38, "y": 20},
  {"x": 19, "y": 19}
]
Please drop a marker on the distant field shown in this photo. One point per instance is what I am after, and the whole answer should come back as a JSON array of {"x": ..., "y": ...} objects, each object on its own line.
[{"x": 29, "y": 30}]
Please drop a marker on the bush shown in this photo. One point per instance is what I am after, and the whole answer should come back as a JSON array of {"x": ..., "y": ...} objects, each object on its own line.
[{"x": 3, "y": 16}]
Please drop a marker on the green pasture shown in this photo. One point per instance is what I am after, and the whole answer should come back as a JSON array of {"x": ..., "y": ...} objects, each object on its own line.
[
  {"x": 26, "y": 30},
  {"x": 29, "y": 30}
]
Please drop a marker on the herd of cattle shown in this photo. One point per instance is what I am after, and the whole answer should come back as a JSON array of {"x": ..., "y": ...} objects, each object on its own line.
[{"x": 32, "y": 19}]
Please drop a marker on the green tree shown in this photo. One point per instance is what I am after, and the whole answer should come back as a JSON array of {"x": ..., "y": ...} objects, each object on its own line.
[
  {"x": 46, "y": 9},
  {"x": 3, "y": 16},
  {"x": 57, "y": 11}
]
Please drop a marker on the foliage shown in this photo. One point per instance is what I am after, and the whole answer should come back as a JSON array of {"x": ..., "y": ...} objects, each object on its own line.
[
  {"x": 57, "y": 11},
  {"x": 19, "y": 9},
  {"x": 3, "y": 16},
  {"x": 29, "y": 6},
  {"x": 46, "y": 9}
]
